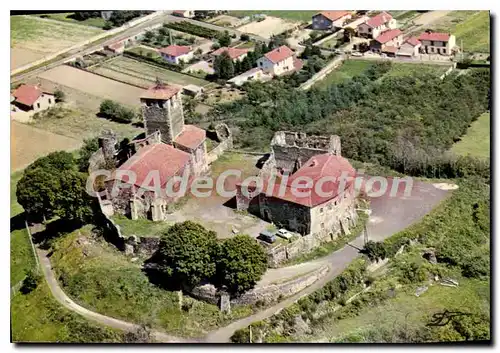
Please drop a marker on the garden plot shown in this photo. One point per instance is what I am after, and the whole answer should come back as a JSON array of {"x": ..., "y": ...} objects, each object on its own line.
[
  {"x": 143, "y": 74},
  {"x": 33, "y": 38},
  {"x": 269, "y": 26},
  {"x": 225, "y": 21}
]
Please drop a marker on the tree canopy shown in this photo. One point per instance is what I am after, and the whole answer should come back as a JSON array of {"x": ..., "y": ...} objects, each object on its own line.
[{"x": 223, "y": 66}]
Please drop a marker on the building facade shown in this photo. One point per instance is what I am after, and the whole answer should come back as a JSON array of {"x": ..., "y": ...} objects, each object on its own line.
[
  {"x": 175, "y": 54},
  {"x": 278, "y": 61},
  {"x": 374, "y": 26},
  {"x": 31, "y": 98},
  {"x": 330, "y": 20},
  {"x": 437, "y": 43}
]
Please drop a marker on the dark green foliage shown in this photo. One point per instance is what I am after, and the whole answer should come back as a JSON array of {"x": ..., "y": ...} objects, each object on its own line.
[
  {"x": 224, "y": 39},
  {"x": 89, "y": 147},
  {"x": 241, "y": 336},
  {"x": 245, "y": 37},
  {"x": 115, "y": 111},
  {"x": 223, "y": 66},
  {"x": 375, "y": 251},
  {"x": 158, "y": 61},
  {"x": 30, "y": 282},
  {"x": 241, "y": 262},
  {"x": 60, "y": 96},
  {"x": 193, "y": 29},
  {"x": 60, "y": 160},
  {"x": 186, "y": 254}
]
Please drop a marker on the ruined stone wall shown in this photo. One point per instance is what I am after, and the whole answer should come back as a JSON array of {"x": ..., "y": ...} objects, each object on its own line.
[
  {"x": 291, "y": 216},
  {"x": 176, "y": 115},
  {"x": 291, "y": 158},
  {"x": 156, "y": 118}
]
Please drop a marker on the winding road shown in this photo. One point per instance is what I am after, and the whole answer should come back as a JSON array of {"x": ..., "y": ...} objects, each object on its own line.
[{"x": 391, "y": 213}]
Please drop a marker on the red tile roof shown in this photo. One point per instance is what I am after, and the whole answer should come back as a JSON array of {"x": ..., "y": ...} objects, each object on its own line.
[
  {"x": 316, "y": 168},
  {"x": 191, "y": 137},
  {"x": 175, "y": 50},
  {"x": 379, "y": 20},
  {"x": 233, "y": 52},
  {"x": 413, "y": 41},
  {"x": 27, "y": 94},
  {"x": 161, "y": 92},
  {"x": 388, "y": 35},
  {"x": 279, "y": 54},
  {"x": 333, "y": 15},
  {"x": 179, "y": 12},
  {"x": 167, "y": 160},
  {"x": 441, "y": 37}
]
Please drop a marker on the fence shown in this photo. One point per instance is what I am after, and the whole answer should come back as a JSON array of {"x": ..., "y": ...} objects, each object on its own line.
[{"x": 322, "y": 74}]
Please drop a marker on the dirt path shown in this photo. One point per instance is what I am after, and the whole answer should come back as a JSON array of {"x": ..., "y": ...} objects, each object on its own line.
[
  {"x": 65, "y": 301},
  {"x": 425, "y": 19}
]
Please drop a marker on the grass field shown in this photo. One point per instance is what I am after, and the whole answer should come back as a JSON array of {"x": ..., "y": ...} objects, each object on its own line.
[
  {"x": 65, "y": 16},
  {"x": 351, "y": 68},
  {"x": 139, "y": 71},
  {"x": 477, "y": 140},
  {"x": 33, "y": 38},
  {"x": 405, "y": 308},
  {"x": 140, "y": 227},
  {"x": 101, "y": 278},
  {"x": 305, "y": 16},
  {"x": 21, "y": 255},
  {"x": 471, "y": 27}
]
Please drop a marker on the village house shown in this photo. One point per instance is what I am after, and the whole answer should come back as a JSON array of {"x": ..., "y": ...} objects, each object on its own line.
[
  {"x": 117, "y": 48},
  {"x": 374, "y": 26},
  {"x": 174, "y": 54},
  {"x": 234, "y": 53},
  {"x": 387, "y": 42},
  {"x": 279, "y": 61},
  {"x": 254, "y": 74},
  {"x": 330, "y": 20},
  {"x": 29, "y": 98},
  {"x": 410, "y": 47},
  {"x": 170, "y": 147},
  {"x": 298, "y": 207},
  {"x": 437, "y": 43},
  {"x": 183, "y": 13}
]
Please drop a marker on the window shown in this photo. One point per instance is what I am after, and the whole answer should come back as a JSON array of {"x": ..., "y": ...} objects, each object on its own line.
[
  {"x": 369, "y": 30},
  {"x": 38, "y": 105},
  {"x": 432, "y": 50},
  {"x": 432, "y": 42},
  {"x": 321, "y": 210},
  {"x": 50, "y": 101},
  {"x": 322, "y": 226}
]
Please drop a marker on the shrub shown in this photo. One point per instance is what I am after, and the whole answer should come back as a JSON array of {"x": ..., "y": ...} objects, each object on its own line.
[
  {"x": 59, "y": 95},
  {"x": 30, "y": 282}
]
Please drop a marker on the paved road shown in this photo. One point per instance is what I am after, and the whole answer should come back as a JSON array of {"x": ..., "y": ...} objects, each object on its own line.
[{"x": 391, "y": 213}]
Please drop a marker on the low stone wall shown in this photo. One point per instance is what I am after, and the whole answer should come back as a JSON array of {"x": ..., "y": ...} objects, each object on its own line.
[
  {"x": 266, "y": 294},
  {"x": 322, "y": 74},
  {"x": 223, "y": 135}
]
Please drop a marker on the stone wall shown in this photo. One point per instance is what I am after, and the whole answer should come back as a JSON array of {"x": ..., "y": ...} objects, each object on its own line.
[
  {"x": 223, "y": 135},
  {"x": 283, "y": 214},
  {"x": 266, "y": 294},
  {"x": 156, "y": 119}
]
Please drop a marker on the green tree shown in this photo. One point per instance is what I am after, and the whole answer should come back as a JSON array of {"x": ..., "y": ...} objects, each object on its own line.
[
  {"x": 224, "y": 66},
  {"x": 89, "y": 147},
  {"x": 30, "y": 282},
  {"x": 149, "y": 36},
  {"x": 224, "y": 39},
  {"x": 186, "y": 254},
  {"x": 59, "y": 160},
  {"x": 241, "y": 262},
  {"x": 109, "y": 108},
  {"x": 60, "y": 96},
  {"x": 72, "y": 201},
  {"x": 375, "y": 250}
]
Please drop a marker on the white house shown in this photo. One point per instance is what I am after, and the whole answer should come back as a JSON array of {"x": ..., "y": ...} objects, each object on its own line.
[
  {"x": 410, "y": 47},
  {"x": 278, "y": 61},
  {"x": 183, "y": 13},
  {"x": 32, "y": 98},
  {"x": 376, "y": 25},
  {"x": 175, "y": 53},
  {"x": 437, "y": 43}
]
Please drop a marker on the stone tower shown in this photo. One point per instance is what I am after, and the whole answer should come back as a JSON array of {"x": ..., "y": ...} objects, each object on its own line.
[
  {"x": 107, "y": 142},
  {"x": 162, "y": 111}
]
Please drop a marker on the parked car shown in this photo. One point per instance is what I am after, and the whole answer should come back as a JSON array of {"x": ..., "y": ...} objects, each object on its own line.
[
  {"x": 267, "y": 236},
  {"x": 355, "y": 53},
  {"x": 284, "y": 234}
]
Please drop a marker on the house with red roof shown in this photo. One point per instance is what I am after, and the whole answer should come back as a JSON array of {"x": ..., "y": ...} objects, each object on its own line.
[
  {"x": 387, "y": 42},
  {"x": 183, "y": 13},
  {"x": 279, "y": 61},
  {"x": 330, "y": 20},
  {"x": 409, "y": 48},
  {"x": 375, "y": 25},
  {"x": 316, "y": 199},
  {"x": 236, "y": 54},
  {"x": 31, "y": 98},
  {"x": 437, "y": 43},
  {"x": 174, "y": 54}
]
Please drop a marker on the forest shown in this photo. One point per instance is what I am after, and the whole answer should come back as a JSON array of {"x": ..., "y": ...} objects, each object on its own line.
[{"x": 406, "y": 123}]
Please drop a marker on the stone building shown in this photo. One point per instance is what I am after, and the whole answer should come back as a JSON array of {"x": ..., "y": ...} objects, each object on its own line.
[
  {"x": 169, "y": 147},
  {"x": 324, "y": 211}
]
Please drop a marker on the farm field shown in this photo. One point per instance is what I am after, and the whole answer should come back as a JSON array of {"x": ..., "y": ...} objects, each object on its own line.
[
  {"x": 477, "y": 140},
  {"x": 94, "y": 84},
  {"x": 28, "y": 143},
  {"x": 471, "y": 27},
  {"x": 305, "y": 16},
  {"x": 32, "y": 37},
  {"x": 66, "y": 17},
  {"x": 144, "y": 74},
  {"x": 268, "y": 27}
]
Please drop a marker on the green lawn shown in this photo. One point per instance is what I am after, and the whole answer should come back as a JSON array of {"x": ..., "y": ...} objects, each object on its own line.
[
  {"x": 140, "y": 227},
  {"x": 93, "y": 22},
  {"x": 477, "y": 140},
  {"x": 21, "y": 255},
  {"x": 403, "y": 69},
  {"x": 347, "y": 70},
  {"x": 101, "y": 278},
  {"x": 305, "y": 16},
  {"x": 15, "y": 208}
]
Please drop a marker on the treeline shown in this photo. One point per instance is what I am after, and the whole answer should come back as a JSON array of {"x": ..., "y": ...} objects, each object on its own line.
[
  {"x": 118, "y": 17},
  {"x": 379, "y": 119}
]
